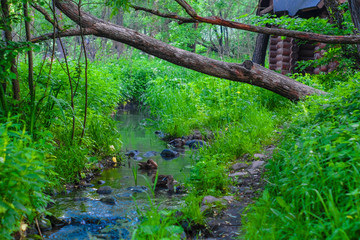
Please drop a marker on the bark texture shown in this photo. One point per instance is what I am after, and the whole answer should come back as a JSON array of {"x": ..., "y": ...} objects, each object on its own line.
[
  {"x": 9, "y": 38},
  {"x": 261, "y": 45},
  {"x": 248, "y": 72},
  {"x": 354, "y": 6}
]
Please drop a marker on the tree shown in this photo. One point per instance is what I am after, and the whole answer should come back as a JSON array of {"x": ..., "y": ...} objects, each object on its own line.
[{"x": 247, "y": 72}]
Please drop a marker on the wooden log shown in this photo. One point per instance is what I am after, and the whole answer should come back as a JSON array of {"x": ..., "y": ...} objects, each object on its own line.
[{"x": 284, "y": 51}]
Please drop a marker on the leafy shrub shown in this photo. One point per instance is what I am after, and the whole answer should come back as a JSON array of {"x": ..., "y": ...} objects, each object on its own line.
[
  {"x": 315, "y": 179},
  {"x": 103, "y": 133},
  {"x": 157, "y": 224},
  {"x": 24, "y": 176}
]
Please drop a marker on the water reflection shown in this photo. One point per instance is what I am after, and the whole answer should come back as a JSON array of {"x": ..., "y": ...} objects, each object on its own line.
[{"x": 92, "y": 218}]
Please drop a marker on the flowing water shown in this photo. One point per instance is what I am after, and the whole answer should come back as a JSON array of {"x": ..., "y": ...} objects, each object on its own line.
[{"x": 90, "y": 218}]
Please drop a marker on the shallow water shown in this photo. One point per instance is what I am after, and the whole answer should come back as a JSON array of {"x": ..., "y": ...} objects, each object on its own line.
[{"x": 90, "y": 218}]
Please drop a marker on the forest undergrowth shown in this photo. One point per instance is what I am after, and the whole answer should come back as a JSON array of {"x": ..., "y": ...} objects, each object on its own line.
[{"x": 313, "y": 176}]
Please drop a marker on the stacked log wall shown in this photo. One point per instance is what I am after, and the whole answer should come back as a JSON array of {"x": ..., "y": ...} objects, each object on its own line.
[{"x": 283, "y": 54}]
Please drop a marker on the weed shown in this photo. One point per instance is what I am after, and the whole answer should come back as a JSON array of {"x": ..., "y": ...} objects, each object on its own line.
[{"x": 315, "y": 174}]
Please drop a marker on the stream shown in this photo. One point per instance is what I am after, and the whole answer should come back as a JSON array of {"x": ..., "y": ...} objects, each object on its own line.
[{"x": 90, "y": 218}]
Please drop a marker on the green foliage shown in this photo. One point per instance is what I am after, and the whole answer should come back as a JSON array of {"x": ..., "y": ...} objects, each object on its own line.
[
  {"x": 24, "y": 173},
  {"x": 314, "y": 190},
  {"x": 344, "y": 71},
  {"x": 315, "y": 25},
  {"x": 103, "y": 132},
  {"x": 157, "y": 224}
]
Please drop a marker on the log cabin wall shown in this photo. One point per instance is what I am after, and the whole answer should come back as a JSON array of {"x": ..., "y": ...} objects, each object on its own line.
[{"x": 285, "y": 53}]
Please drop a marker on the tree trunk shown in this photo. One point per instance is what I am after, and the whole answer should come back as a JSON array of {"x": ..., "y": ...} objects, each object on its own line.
[
  {"x": 336, "y": 15},
  {"x": 118, "y": 46},
  {"x": 355, "y": 15},
  {"x": 9, "y": 38},
  {"x": 261, "y": 45},
  {"x": 247, "y": 72},
  {"x": 30, "y": 55}
]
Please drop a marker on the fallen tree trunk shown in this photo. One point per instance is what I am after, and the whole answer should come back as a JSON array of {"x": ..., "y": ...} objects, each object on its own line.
[{"x": 248, "y": 72}]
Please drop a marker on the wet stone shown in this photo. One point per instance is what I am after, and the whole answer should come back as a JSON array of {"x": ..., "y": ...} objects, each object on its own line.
[
  {"x": 168, "y": 154},
  {"x": 45, "y": 224},
  {"x": 138, "y": 189},
  {"x": 132, "y": 153},
  {"x": 104, "y": 190},
  {"x": 80, "y": 199},
  {"x": 108, "y": 200},
  {"x": 100, "y": 182},
  {"x": 150, "y": 154}
]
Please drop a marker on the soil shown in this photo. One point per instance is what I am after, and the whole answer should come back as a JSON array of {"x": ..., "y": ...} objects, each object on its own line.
[{"x": 227, "y": 223}]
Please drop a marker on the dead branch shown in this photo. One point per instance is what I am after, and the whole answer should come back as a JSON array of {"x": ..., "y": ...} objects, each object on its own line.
[
  {"x": 164, "y": 15},
  {"x": 66, "y": 33},
  {"x": 46, "y": 15},
  {"x": 215, "y": 20}
]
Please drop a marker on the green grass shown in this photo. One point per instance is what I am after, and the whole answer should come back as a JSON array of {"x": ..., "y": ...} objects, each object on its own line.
[{"x": 314, "y": 177}]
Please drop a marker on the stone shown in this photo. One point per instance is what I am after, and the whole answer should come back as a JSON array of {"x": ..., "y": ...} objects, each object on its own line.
[
  {"x": 100, "y": 182},
  {"x": 238, "y": 166},
  {"x": 207, "y": 202},
  {"x": 104, "y": 190},
  {"x": 138, "y": 189},
  {"x": 45, "y": 224},
  {"x": 256, "y": 165},
  {"x": 79, "y": 199},
  {"x": 150, "y": 154},
  {"x": 195, "y": 144},
  {"x": 209, "y": 199},
  {"x": 259, "y": 156},
  {"x": 132, "y": 153},
  {"x": 168, "y": 154},
  {"x": 229, "y": 199},
  {"x": 238, "y": 174},
  {"x": 108, "y": 200}
]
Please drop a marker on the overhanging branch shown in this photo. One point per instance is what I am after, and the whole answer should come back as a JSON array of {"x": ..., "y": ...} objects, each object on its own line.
[
  {"x": 165, "y": 15},
  {"x": 348, "y": 39},
  {"x": 247, "y": 72},
  {"x": 46, "y": 15},
  {"x": 66, "y": 33}
]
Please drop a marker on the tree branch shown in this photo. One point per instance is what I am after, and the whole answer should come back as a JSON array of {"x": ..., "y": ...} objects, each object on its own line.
[
  {"x": 348, "y": 39},
  {"x": 66, "y": 33},
  {"x": 46, "y": 15},
  {"x": 247, "y": 72},
  {"x": 192, "y": 13},
  {"x": 164, "y": 15}
]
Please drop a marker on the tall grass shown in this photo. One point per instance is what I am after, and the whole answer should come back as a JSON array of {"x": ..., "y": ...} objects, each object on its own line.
[
  {"x": 24, "y": 173},
  {"x": 314, "y": 177}
]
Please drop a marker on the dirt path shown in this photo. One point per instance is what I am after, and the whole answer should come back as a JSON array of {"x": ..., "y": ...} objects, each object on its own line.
[{"x": 248, "y": 185}]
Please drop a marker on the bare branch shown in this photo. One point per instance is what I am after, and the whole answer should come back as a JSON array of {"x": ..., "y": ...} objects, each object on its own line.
[
  {"x": 164, "y": 15},
  {"x": 187, "y": 8},
  {"x": 46, "y": 15},
  {"x": 247, "y": 72},
  {"x": 66, "y": 33},
  {"x": 348, "y": 39}
]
